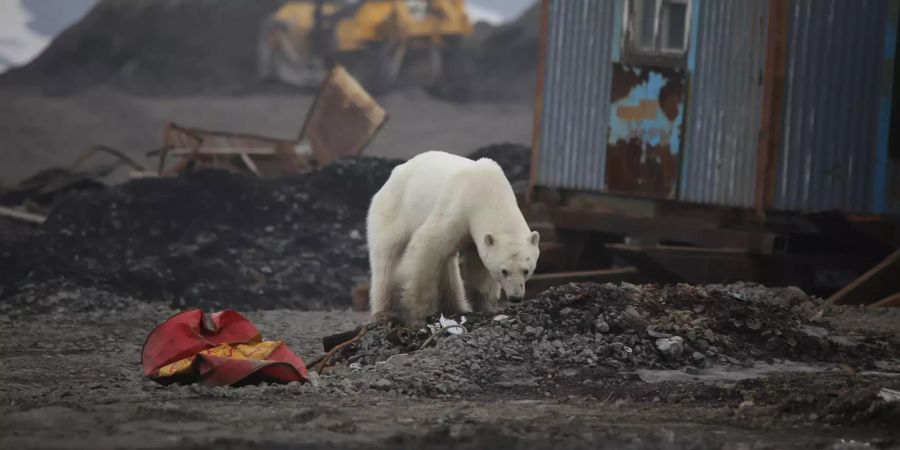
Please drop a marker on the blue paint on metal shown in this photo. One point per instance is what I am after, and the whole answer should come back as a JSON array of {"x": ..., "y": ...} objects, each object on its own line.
[
  {"x": 616, "y": 40},
  {"x": 695, "y": 28},
  {"x": 890, "y": 39},
  {"x": 879, "y": 201},
  {"x": 696, "y": 6},
  {"x": 653, "y": 131},
  {"x": 831, "y": 142},
  {"x": 880, "y": 190}
]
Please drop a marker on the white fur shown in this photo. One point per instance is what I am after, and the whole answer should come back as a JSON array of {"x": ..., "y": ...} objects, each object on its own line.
[{"x": 436, "y": 211}]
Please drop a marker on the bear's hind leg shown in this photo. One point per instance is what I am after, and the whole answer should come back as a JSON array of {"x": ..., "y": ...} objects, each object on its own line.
[{"x": 386, "y": 245}]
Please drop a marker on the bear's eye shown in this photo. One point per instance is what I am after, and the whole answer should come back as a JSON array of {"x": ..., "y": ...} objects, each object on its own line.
[{"x": 505, "y": 272}]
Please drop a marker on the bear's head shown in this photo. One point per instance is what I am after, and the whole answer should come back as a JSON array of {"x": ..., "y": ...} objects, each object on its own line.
[{"x": 510, "y": 258}]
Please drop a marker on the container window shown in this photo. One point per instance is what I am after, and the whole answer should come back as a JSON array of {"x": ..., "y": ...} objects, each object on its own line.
[{"x": 657, "y": 27}]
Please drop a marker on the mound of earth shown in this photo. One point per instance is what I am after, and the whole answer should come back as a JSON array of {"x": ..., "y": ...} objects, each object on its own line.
[
  {"x": 507, "y": 59},
  {"x": 608, "y": 333},
  {"x": 154, "y": 47},
  {"x": 214, "y": 239}
]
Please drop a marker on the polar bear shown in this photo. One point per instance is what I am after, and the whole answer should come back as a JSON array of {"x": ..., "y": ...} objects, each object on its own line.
[{"x": 435, "y": 211}]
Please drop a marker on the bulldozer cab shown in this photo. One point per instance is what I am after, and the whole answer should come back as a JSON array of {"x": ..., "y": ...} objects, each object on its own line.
[{"x": 372, "y": 38}]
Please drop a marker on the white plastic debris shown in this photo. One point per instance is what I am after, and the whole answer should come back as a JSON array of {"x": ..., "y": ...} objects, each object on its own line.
[
  {"x": 500, "y": 317},
  {"x": 314, "y": 378},
  {"x": 889, "y": 395},
  {"x": 452, "y": 326}
]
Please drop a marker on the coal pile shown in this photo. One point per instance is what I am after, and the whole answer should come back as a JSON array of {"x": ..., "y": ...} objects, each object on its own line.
[
  {"x": 515, "y": 159},
  {"x": 507, "y": 58},
  {"x": 152, "y": 47},
  {"x": 214, "y": 239},
  {"x": 601, "y": 332}
]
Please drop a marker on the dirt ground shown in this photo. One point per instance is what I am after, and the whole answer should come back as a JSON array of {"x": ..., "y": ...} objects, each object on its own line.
[{"x": 73, "y": 380}]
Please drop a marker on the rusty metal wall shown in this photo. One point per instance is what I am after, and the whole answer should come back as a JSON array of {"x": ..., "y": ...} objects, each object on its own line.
[
  {"x": 576, "y": 92},
  {"x": 834, "y": 69},
  {"x": 726, "y": 60},
  {"x": 645, "y": 126}
]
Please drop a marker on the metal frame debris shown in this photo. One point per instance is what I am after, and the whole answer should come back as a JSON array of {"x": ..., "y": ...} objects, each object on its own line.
[{"x": 341, "y": 122}]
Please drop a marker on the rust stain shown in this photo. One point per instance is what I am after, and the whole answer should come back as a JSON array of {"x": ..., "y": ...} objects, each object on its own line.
[
  {"x": 628, "y": 171},
  {"x": 645, "y": 130},
  {"x": 645, "y": 110},
  {"x": 626, "y": 80},
  {"x": 671, "y": 96}
]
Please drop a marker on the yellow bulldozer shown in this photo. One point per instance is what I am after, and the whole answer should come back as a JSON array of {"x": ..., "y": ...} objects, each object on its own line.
[{"x": 374, "y": 39}]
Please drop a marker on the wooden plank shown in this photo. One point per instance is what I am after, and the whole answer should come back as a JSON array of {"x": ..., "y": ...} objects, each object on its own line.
[
  {"x": 773, "y": 103},
  {"x": 22, "y": 216},
  {"x": 222, "y": 151},
  {"x": 876, "y": 283},
  {"x": 360, "y": 295},
  {"x": 891, "y": 301},
  {"x": 664, "y": 229},
  {"x": 538, "y": 100},
  {"x": 250, "y": 164},
  {"x": 673, "y": 264}
]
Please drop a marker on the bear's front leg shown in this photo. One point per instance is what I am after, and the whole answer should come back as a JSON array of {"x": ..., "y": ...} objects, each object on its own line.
[
  {"x": 482, "y": 291},
  {"x": 452, "y": 291}
]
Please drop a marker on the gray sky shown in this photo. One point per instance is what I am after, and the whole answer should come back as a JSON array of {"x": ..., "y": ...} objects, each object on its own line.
[{"x": 510, "y": 9}]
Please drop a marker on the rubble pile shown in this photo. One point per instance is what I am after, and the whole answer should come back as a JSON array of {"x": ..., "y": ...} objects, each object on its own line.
[{"x": 590, "y": 331}]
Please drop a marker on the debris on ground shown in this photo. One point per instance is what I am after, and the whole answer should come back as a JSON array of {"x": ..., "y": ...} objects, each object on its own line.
[
  {"x": 220, "y": 349},
  {"x": 341, "y": 122},
  {"x": 466, "y": 385},
  {"x": 39, "y": 192}
]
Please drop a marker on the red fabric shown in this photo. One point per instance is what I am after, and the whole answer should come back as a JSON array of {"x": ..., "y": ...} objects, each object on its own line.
[{"x": 185, "y": 334}]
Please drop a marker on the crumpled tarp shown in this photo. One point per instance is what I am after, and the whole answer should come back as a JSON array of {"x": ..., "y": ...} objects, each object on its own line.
[{"x": 221, "y": 349}]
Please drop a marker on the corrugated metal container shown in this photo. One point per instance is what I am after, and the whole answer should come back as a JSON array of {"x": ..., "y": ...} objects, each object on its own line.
[
  {"x": 726, "y": 59},
  {"x": 575, "y": 116},
  {"x": 828, "y": 148}
]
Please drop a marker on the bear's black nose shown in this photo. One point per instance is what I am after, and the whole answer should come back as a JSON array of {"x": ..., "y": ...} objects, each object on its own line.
[{"x": 516, "y": 299}]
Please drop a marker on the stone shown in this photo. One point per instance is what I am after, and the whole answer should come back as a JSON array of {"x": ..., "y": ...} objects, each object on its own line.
[
  {"x": 671, "y": 348},
  {"x": 600, "y": 325}
]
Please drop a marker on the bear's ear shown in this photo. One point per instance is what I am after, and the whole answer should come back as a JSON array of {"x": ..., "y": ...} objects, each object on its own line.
[
  {"x": 489, "y": 239},
  {"x": 535, "y": 238}
]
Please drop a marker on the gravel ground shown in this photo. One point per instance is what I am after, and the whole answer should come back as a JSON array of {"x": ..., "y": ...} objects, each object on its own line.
[{"x": 77, "y": 383}]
